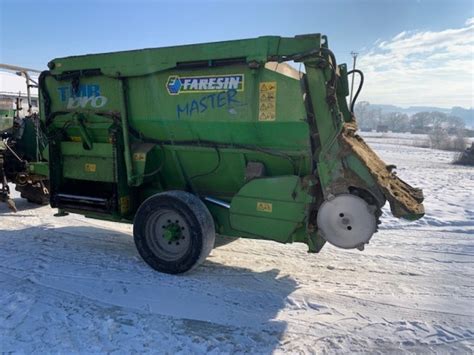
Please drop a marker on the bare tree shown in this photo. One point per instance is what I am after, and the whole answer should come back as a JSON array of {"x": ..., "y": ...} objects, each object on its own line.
[
  {"x": 397, "y": 121},
  {"x": 459, "y": 142},
  {"x": 439, "y": 138}
]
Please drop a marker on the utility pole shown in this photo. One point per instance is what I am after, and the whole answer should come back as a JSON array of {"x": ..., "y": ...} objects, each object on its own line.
[{"x": 354, "y": 59}]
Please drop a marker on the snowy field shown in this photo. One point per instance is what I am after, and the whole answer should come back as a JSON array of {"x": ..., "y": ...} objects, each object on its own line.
[
  {"x": 416, "y": 140},
  {"x": 76, "y": 285}
]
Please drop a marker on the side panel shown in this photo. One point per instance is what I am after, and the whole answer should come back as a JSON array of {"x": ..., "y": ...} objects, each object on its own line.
[
  {"x": 193, "y": 136},
  {"x": 217, "y": 132},
  {"x": 86, "y": 152},
  {"x": 273, "y": 208},
  {"x": 88, "y": 164},
  {"x": 228, "y": 115}
]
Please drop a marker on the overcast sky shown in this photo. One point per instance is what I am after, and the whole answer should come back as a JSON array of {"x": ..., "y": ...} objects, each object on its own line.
[{"x": 413, "y": 52}]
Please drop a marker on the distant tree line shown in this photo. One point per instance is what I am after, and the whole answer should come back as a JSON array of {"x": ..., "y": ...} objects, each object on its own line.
[
  {"x": 438, "y": 125},
  {"x": 369, "y": 118}
]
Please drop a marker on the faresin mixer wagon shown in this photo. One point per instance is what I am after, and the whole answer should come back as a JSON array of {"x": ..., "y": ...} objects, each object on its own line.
[{"x": 211, "y": 139}]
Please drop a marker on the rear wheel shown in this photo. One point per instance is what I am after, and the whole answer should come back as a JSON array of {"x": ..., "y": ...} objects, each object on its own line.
[{"x": 173, "y": 231}]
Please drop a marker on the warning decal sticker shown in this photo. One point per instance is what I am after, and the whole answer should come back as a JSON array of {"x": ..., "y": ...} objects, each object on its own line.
[
  {"x": 264, "y": 207},
  {"x": 90, "y": 168},
  {"x": 267, "y": 101}
]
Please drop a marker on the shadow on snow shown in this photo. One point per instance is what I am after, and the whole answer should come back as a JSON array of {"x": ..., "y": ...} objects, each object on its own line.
[{"x": 104, "y": 266}]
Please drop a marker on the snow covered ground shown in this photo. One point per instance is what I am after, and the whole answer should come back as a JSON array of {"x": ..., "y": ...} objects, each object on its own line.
[
  {"x": 417, "y": 140},
  {"x": 76, "y": 285}
]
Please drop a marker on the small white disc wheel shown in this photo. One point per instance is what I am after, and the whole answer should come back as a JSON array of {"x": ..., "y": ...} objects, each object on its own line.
[
  {"x": 346, "y": 221},
  {"x": 173, "y": 231}
]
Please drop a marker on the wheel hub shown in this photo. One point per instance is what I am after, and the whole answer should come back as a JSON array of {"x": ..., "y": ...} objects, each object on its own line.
[
  {"x": 172, "y": 232},
  {"x": 168, "y": 235},
  {"x": 346, "y": 221}
]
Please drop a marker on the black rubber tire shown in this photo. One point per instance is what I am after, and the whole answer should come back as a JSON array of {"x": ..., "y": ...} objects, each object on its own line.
[
  {"x": 33, "y": 194},
  {"x": 199, "y": 221}
]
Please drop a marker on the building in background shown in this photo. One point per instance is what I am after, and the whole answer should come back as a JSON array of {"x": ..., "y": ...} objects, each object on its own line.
[{"x": 13, "y": 88}]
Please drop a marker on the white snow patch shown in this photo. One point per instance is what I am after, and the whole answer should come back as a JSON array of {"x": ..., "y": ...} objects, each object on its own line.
[{"x": 76, "y": 285}]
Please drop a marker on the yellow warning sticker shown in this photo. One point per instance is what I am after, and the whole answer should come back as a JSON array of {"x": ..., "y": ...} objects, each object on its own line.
[
  {"x": 76, "y": 139},
  {"x": 264, "y": 207},
  {"x": 267, "y": 101},
  {"x": 124, "y": 204},
  {"x": 139, "y": 156},
  {"x": 90, "y": 168}
]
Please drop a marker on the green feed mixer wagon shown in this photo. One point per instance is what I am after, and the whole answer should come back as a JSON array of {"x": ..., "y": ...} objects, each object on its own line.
[{"x": 225, "y": 138}]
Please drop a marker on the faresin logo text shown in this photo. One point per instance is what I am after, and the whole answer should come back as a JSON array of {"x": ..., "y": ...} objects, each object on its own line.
[{"x": 197, "y": 84}]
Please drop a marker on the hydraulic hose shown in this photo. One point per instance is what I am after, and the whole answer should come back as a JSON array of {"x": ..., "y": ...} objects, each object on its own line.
[{"x": 352, "y": 104}]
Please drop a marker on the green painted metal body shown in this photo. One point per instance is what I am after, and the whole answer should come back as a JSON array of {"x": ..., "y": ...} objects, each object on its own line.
[{"x": 128, "y": 125}]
